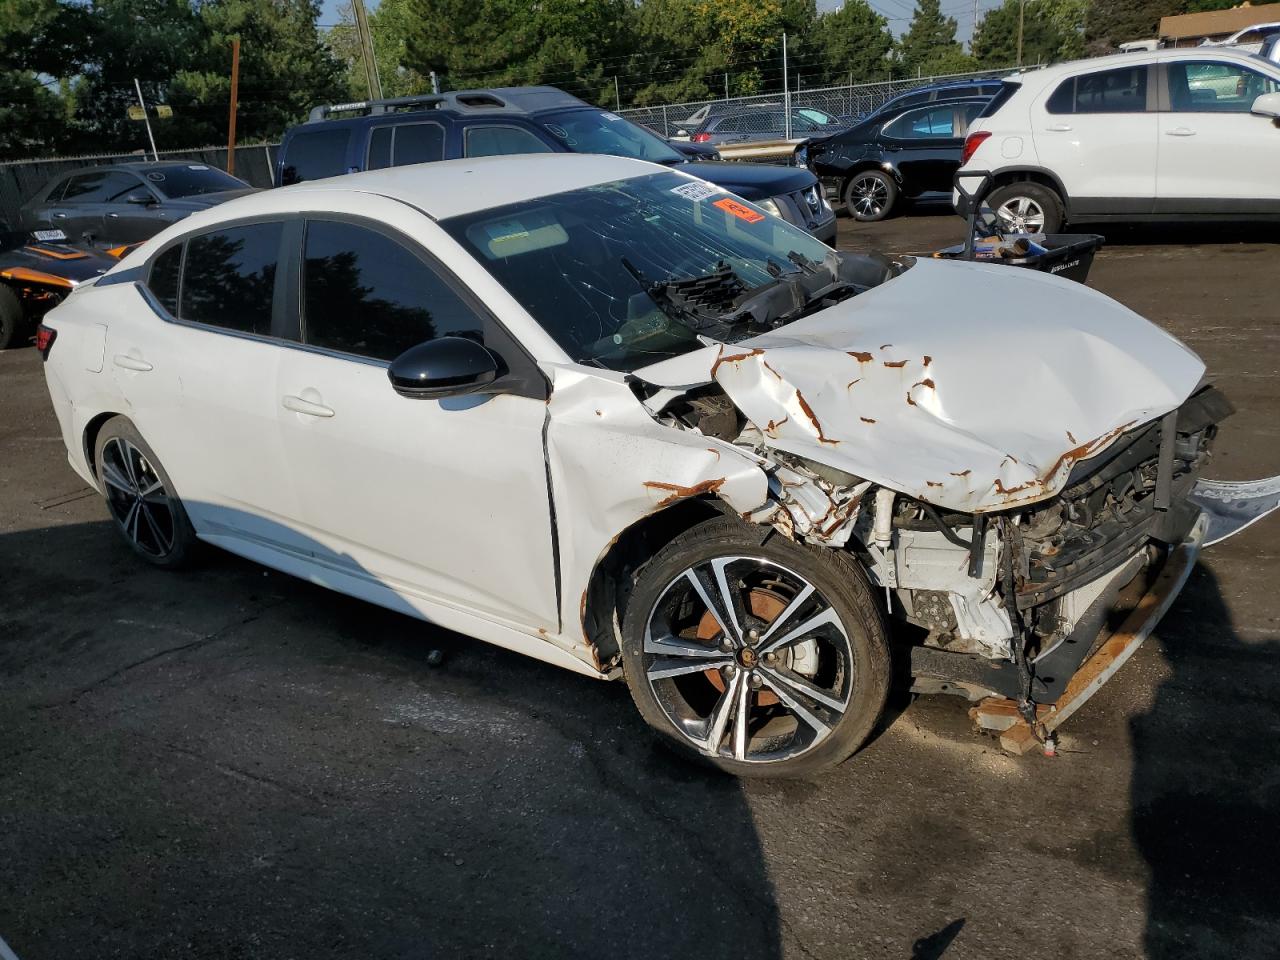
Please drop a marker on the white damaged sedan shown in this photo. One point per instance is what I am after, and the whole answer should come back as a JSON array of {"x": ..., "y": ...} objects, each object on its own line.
[{"x": 609, "y": 416}]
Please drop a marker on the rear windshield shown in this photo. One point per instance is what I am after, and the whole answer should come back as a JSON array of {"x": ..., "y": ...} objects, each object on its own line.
[
  {"x": 192, "y": 180},
  {"x": 1007, "y": 89}
]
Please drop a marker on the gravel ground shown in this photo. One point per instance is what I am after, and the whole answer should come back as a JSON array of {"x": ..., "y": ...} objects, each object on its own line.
[{"x": 232, "y": 763}]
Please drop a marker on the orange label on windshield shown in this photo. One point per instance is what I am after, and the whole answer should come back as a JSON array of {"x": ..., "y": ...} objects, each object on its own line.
[{"x": 729, "y": 205}]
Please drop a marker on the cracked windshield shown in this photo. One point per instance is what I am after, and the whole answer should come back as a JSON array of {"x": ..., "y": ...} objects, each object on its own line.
[{"x": 628, "y": 273}]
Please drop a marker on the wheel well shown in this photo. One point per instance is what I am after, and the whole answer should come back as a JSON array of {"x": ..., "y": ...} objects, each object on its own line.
[
  {"x": 91, "y": 438},
  {"x": 604, "y": 603},
  {"x": 1028, "y": 176},
  {"x": 862, "y": 166}
]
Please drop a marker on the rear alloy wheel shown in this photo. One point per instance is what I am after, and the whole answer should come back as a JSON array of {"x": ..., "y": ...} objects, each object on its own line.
[
  {"x": 13, "y": 321},
  {"x": 762, "y": 659},
  {"x": 140, "y": 496},
  {"x": 870, "y": 196},
  {"x": 1026, "y": 207}
]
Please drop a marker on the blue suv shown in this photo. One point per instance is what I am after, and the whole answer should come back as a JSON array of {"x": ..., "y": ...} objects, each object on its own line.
[{"x": 369, "y": 135}]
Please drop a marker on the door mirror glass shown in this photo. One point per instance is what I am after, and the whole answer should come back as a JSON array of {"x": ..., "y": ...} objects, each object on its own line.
[
  {"x": 140, "y": 197},
  {"x": 1267, "y": 105},
  {"x": 444, "y": 367}
]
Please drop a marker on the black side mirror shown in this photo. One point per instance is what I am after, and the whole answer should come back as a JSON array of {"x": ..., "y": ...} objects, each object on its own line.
[
  {"x": 140, "y": 197},
  {"x": 444, "y": 367}
]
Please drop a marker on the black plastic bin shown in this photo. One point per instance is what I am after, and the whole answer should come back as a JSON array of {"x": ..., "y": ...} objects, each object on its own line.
[{"x": 1068, "y": 255}]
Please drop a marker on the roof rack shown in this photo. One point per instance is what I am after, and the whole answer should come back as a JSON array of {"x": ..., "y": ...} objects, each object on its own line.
[{"x": 511, "y": 99}]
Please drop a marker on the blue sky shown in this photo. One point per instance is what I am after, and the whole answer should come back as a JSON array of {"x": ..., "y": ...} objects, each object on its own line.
[{"x": 898, "y": 12}]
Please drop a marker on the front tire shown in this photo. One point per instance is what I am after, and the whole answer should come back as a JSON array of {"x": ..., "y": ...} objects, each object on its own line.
[
  {"x": 13, "y": 320},
  {"x": 870, "y": 196},
  {"x": 140, "y": 496},
  {"x": 1026, "y": 207},
  {"x": 759, "y": 655}
]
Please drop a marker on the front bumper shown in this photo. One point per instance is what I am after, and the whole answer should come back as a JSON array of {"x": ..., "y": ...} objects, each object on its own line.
[{"x": 1224, "y": 509}]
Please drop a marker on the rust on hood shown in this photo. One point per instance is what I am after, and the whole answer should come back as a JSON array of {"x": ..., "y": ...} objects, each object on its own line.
[
  {"x": 926, "y": 382},
  {"x": 733, "y": 358},
  {"x": 895, "y": 363},
  {"x": 860, "y": 356},
  {"x": 808, "y": 412},
  {"x": 962, "y": 473},
  {"x": 927, "y": 360},
  {"x": 678, "y": 492},
  {"x": 866, "y": 419},
  {"x": 852, "y": 382}
]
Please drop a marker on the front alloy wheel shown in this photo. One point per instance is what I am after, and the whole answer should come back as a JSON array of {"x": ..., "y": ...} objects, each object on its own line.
[
  {"x": 870, "y": 196},
  {"x": 763, "y": 661}
]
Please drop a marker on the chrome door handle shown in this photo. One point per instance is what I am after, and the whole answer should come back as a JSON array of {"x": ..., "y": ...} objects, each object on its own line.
[
  {"x": 1059, "y": 128},
  {"x": 131, "y": 363},
  {"x": 60, "y": 216},
  {"x": 1180, "y": 132},
  {"x": 114, "y": 216},
  {"x": 298, "y": 405}
]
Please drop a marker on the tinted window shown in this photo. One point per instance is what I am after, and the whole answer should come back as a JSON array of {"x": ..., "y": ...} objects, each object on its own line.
[
  {"x": 500, "y": 141},
  {"x": 192, "y": 180},
  {"x": 101, "y": 187},
  {"x": 315, "y": 155},
  {"x": 229, "y": 277},
  {"x": 419, "y": 143},
  {"x": 379, "y": 148},
  {"x": 164, "y": 278},
  {"x": 923, "y": 123},
  {"x": 1215, "y": 87},
  {"x": 1110, "y": 91},
  {"x": 595, "y": 131},
  {"x": 364, "y": 293}
]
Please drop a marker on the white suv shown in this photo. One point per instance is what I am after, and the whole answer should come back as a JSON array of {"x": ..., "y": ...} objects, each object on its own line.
[{"x": 1167, "y": 133}]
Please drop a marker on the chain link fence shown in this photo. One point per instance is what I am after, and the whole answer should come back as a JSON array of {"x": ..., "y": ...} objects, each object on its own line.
[{"x": 847, "y": 102}]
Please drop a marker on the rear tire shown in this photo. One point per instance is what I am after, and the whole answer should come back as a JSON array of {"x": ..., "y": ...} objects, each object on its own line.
[
  {"x": 756, "y": 654},
  {"x": 140, "y": 497},
  {"x": 1026, "y": 207},
  {"x": 870, "y": 196},
  {"x": 13, "y": 320}
]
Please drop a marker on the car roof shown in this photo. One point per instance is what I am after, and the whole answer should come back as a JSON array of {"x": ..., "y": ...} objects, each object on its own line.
[
  {"x": 136, "y": 166},
  {"x": 1134, "y": 57},
  {"x": 449, "y": 188},
  {"x": 509, "y": 101}
]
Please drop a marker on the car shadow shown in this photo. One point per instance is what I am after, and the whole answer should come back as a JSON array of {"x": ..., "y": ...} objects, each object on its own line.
[
  {"x": 1205, "y": 804},
  {"x": 233, "y": 762}
]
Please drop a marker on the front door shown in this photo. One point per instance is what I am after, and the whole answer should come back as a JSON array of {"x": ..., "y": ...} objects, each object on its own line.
[
  {"x": 1214, "y": 155},
  {"x": 924, "y": 145},
  {"x": 445, "y": 498}
]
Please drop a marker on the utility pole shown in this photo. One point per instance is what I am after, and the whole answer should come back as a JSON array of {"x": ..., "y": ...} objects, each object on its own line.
[
  {"x": 617, "y": 97},
  {"x": 435, "y": 82},
  {"x": 146, "y": 119},
  {"x": 235, "y": 99},
  {"x": 726, "y": 86},
  {"x": 786, "y": 89},
  {"x": 973, "y": 31},
  {"x": 366, "y": 49},
  {"x": 1022, "y": 11}
]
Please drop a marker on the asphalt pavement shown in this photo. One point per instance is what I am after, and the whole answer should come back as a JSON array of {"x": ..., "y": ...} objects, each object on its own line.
[{"x": 230, "y": 763}]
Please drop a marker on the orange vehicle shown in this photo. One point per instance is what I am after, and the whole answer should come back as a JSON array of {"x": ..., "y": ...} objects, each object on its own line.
[{"x": 37, "y": 270}]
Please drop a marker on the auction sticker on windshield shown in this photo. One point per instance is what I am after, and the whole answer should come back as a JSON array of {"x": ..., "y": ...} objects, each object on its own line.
[
  {"x": 695, "y": 191},
  {"x": 729, "y": 205}
]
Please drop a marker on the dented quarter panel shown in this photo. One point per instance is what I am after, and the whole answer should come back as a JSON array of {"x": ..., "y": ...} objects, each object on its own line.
[
  {"x": 933, "y": 386},
  {"x": 612, "y": 464}
]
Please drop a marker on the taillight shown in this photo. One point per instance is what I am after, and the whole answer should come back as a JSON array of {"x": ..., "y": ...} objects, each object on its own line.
[
  {"x": 971, "y": 144},
  {"x": 44, "y": 340},
  {"x": 700, "y": 137}
]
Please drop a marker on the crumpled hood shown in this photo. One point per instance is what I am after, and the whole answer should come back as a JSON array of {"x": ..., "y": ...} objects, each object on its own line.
[{"x": 970, "y": 386}]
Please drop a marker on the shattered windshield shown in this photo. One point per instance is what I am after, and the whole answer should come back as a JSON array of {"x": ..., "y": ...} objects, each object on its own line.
[{"x": 628, "y": 273}]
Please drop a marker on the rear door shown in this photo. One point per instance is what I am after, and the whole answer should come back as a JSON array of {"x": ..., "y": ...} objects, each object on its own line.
[
  {"x": 401, "y": 144},
  {"x": 132, "y": 212},
  {"x": 924, "y": 145},
  {"x": 1097, "y": 132},
  {"x": 82, "y": 211},
  {"x": 1215, "y": 156}
]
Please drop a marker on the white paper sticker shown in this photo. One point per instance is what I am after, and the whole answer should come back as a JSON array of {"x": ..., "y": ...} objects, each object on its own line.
[
  {"x": 610, "y": 116},
  {"x": 196, "y": 166},
  {"x": 47, "y": 235},
  {"x": 696, "y": 190}
]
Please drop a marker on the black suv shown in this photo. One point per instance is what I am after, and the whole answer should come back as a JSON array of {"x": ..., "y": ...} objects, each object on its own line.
[{"x": 369, "y": 135}]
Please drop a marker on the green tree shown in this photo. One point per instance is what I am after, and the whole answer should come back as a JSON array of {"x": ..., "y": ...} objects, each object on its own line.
[
  {"x": 37, "y": 38},
  {"x": 389, "y": 24},
  {"x": 1112, "y": 22},
  {"x": 851, "y": 43},
  {"x": 930, "y": 42},
  {"x": 286, "y": 67},
  {"x": 1052, "y": 31}
]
